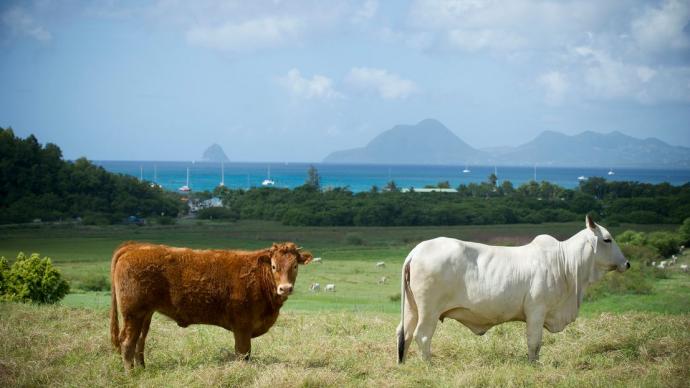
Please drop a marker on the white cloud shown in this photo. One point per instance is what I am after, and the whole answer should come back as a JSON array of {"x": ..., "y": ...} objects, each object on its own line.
[
  {"x": 473, "y": 40},
  {"x": 385, "y": 84},
  {"x": 247, "y": 35},
  {"x": 555, "y": 85},
  {"x": 318, "y": 87},
  {"x": 660, "y": 29},
  {"x": 366, "y": 12},
  {"x": 21, "y": 23}
]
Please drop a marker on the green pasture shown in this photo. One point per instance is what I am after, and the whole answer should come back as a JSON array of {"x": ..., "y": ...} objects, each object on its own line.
[{"x": 341, "y": 338}]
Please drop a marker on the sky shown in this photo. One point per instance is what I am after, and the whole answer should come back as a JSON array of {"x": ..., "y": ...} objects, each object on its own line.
[{"x": 296, "y": 80}]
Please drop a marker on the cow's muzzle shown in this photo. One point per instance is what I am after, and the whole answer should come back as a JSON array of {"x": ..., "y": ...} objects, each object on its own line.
[
  {"x": 624, "y": 267},
  {"x": 285, "y": 289}
]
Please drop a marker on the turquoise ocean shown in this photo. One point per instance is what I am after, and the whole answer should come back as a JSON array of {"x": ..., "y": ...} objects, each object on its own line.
[{"x": 207, "y": 175}]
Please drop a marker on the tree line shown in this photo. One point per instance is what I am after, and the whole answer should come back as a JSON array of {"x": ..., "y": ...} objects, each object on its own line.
[
  {"x": 36, "y": 183},
  {"x": 474, "y": 204}
]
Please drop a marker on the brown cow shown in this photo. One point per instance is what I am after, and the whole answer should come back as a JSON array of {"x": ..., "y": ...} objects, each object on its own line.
[{"x": 241, "y": 291}]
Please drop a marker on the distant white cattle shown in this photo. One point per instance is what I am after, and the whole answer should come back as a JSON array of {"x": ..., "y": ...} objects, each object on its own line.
[
  {"x": 673, "y": 259},
  {"x": 383, "y": 280},
  {"x": 330, "y": 287},
  {"x": 315, "y": 287},
  {"x": 542, "y": 283},
  {"x": 317, "y": 260},
  {"x": 684, "y": 267},
  {"x": 381, "y": 264}
]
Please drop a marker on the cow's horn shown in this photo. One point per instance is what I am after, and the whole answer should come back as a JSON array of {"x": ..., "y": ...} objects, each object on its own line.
[{"x": 300, "y": 248}]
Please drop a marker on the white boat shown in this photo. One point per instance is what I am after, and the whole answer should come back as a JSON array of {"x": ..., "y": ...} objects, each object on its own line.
[
  {"x": 268, "y": 181},
  {"x": 222, "y": 175},
  {"x": 186, "y": 188},
  {"x": 582, "y": 178},
  {"x": 155, "y": 184},
  {"x": 466, "y": 170},
  {"x": 611, "y": 172}
]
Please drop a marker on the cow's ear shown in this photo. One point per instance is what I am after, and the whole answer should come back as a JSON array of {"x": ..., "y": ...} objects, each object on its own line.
[
  {"x": 304, "y": 258},
  {"x": 265, "y": 257},
  {"x": 589, "y": 223}
]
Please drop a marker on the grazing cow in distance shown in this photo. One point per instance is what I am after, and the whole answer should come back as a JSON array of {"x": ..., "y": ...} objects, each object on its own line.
[
  {"x": 541, "y": 283},
  {"x": 330, "y": 287},
  {"x": 383, "y": 280},
  {"x": 315, "y": 287},
  {"x": 684, "y": 267},
  {"x": 241, "y": 291},
  {"x": 381, "y": 264},
  {"x": 317, "y": 260}
]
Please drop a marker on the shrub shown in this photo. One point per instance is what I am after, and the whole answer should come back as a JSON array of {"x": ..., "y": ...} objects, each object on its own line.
[
  {"x": 95, "y": 283},
  {"x": 394, "y": 297},
  {"x": 33, "y": 279},
  {"x": 666, "y": 243},
  {"x": 684, "y": 231},
  {"x": 632, "y": 237},
  {"x": 164, "y": 220},
  {"x": 633, "y": 281},
  {"x": 217, "y": 213},
  {"x": 354, "y": 239}
]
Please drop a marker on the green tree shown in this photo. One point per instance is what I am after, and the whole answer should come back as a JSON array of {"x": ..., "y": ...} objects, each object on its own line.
[
  {"x": 492, "y": 179},
  {"x": 391, "y": 187},
  {"x": 313, "y": 178}
]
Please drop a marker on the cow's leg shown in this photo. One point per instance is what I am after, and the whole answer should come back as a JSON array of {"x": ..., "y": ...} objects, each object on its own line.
[
  {"x": 139, "y": 352},
  {"x": 410, "y": 325},
  {"x": 535, "y": 325},
  {"x": 243, "y": 344},
  {"x": 425, "y": 330},
  {"x": 130, "y": 337}
]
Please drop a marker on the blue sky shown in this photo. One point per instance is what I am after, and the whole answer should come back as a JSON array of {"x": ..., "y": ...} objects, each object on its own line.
[{"x": 296, "y": 80}]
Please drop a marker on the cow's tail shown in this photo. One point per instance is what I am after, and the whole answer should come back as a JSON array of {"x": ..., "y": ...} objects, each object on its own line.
[
  {"x": 405, "y": 293},
  {"x": 114, "y": 324}
]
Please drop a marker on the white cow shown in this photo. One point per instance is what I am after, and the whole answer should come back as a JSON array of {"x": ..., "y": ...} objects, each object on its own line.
[
  {"x": 315, "y": 287},
  {"x": 541, "y": 283},
  {"x": 330, "y": 287},
  {"x": 684, "y": 267},
  {"x": 317, "y": 260},
  {"x": 383, "y": 280},
  {"x": 381, "y": 264}
]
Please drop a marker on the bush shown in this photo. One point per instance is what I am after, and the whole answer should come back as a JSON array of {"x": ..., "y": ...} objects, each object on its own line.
[
  {"x": 95, "y": 283},
  {"x": 684, "y": 231},
  {"x": 354, "y": 239},
  {"x": 633, "y": 281},
  {"x": 632, "y": 237},
  {"x": 217, "y": 213},
  {"x": 33, "y": 279},
  {"x": 164, "y": 220},
  {"x": 666, "y": 243}
]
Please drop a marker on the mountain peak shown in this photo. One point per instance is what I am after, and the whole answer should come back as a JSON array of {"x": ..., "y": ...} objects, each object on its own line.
[
  {"x": 214, "y": 153},
  {"x": 427, "y": 142}
]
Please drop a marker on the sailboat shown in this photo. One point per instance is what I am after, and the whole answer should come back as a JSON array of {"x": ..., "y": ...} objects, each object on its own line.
[
  {"x": 268, "y": 181},
  {"x": 466, "y": 170},
  {"x": 611, "y": 172},
  {"x": 155, "y": 184},
  {"x": 222, "y": 174},
  {"x": 186, "y": 188},
  {"x": 582, "y": 178}
]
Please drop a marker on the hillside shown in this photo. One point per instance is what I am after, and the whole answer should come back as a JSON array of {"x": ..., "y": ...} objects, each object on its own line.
[
  {"x": 430, "y": 142},
  {"x": 588, "y": 148},
  {"x": 427, "y": 142}
]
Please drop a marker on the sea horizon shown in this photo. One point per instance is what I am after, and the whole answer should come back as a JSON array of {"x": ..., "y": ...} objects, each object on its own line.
[{"x": 205, "y": 175}]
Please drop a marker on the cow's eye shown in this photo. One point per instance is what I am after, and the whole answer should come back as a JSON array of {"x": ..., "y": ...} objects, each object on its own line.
[
  {"x": 607, "y": 240},
  {"x": 273, "y": 267}
]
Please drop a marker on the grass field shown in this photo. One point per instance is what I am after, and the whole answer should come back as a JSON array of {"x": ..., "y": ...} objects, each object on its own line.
[{"x": 341, "y": 338}]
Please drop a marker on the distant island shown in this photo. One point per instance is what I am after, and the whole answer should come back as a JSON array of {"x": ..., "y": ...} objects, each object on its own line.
[
  {"x": 214, "y": 153},
  {"x": 431, "y": 142}
]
